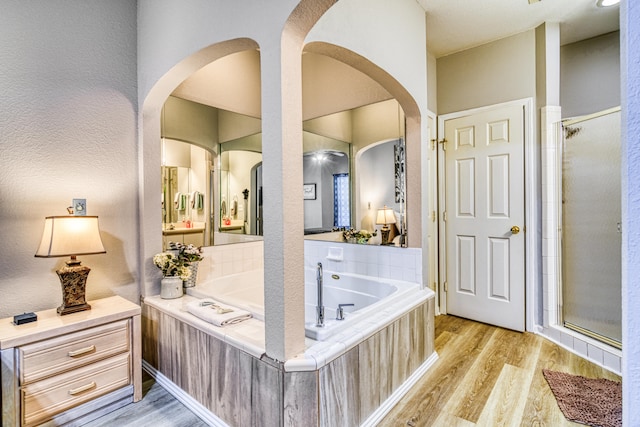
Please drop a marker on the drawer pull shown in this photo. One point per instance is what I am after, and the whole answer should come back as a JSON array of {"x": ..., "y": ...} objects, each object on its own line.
[
  {"x": 82, "y": 351},
  {"x": 85, "y": 387}
]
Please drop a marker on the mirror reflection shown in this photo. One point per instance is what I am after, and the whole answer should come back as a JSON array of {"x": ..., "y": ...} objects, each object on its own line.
[
  {"x": 327, "y": 184},
  {"x": 240, "y": 177},
  {"x": 184, "y": 188},
  {"x": 381, "y": 191},
  {"x": 212, "y": 194}
]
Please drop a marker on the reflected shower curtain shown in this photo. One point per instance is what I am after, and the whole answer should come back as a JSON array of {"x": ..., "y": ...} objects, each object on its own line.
[{"x": 591, "y": 229}]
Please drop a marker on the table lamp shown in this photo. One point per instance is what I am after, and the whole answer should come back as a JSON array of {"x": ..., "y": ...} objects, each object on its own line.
[
  {"x": 71, "y": 236},
  {"x": 385, "y": 217}
]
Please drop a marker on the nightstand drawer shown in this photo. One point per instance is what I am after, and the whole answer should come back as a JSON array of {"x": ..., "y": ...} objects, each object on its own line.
[
  {"x": 46, "y": 398},
  {"x": 53, "y": 356}
]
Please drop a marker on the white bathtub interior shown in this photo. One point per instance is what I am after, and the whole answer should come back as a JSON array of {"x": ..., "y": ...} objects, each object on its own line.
[
  {"x": 242, "y": 290},
  {"x": 369, "y": 295}
]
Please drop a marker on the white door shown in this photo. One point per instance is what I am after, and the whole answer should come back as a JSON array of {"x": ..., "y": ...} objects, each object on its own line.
[{"x": 484, "y": 219}]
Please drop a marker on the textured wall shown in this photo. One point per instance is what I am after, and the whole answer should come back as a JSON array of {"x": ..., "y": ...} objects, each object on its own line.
[
  {"x": 630, "y": 72},
  {"x": 67, "y": 130}
]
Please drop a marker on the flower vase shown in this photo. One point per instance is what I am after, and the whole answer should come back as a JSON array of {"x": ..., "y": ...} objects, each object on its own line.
[
  {"x": 191, "y": 281},
  {"x": 171, "y": 287}
]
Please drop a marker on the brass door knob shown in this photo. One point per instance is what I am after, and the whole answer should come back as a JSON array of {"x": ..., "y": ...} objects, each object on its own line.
[{"x": 515, "y": 229}]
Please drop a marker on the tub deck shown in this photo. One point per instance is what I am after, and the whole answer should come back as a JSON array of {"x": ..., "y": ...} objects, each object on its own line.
[{"x": 249, "y": 335}]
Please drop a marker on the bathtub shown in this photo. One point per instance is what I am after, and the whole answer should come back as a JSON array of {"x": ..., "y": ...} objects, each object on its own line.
[{"x": 369, "y": 296}]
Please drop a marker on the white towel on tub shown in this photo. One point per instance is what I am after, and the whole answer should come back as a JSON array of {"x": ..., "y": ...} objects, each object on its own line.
[{"x": 216, "y": 313}]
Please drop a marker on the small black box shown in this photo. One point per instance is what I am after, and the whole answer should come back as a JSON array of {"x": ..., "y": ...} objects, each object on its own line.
[{"x": 20, "y": 319}]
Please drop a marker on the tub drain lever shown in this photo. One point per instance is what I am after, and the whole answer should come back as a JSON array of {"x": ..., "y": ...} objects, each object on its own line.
[{"x": 340, "y": 311}]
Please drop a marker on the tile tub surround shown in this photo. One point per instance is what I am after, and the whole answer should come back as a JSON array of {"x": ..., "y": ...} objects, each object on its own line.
[
  {"x": 386, "y": 262},
  {"x": 242, "y": 388},
  {"x": 230, "y": 259}
]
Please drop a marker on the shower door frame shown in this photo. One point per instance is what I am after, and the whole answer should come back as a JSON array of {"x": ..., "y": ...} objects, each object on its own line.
[
  {"x": 551, "y": 164},
  {"x": 561, "y": 316}
]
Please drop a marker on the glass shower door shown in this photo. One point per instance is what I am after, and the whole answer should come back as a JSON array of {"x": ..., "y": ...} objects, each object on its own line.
[{"x": 591, "y": 229}]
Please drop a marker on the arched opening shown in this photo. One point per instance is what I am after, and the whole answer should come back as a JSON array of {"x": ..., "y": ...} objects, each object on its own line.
[
  {"x": 410, "y": 127},
  {"x": 150, "y": 148}
]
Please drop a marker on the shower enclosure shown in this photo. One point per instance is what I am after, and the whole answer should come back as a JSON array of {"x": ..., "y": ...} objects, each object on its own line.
[{"x": 590, "y": 299}]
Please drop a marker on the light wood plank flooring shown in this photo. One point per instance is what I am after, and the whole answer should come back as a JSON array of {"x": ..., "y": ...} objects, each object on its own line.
[
  {"x": 489, "y": 376},
  {"x": 156, "y": 409},
  {"x": 485, "y": 376}
]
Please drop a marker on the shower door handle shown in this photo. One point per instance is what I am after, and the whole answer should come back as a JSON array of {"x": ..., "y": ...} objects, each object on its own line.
[{"x": 515, "y": 229}]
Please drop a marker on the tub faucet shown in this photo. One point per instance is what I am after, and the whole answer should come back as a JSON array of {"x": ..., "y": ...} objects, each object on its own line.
[
  {"x": 320, "y": 306},
  {"x": 340, "y": 310}
]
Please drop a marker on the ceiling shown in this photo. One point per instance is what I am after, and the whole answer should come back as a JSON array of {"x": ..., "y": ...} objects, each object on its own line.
[
  {"x": 456, "y": 25},
  {"x": 452, "y": 26}
]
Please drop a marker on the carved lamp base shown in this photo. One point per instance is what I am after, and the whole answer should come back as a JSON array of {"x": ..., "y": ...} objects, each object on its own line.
[
  {"x": 73, "y": 279},
  {"x": 384, "y": 234}
]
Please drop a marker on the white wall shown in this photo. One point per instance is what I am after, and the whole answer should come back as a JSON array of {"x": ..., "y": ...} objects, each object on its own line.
[
  {"x": 376, "y": 183},
  {"x": 312, "y": 208},
  {"x": 240, "y": 167},
  {"x": 67, "y": 130},
  {"x": 630, "y": 89},
  {"x": 199, "y": 180}
]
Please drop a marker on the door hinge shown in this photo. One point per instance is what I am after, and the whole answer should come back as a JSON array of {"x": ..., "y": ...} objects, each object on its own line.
[
  {"x": 444, "y": 216},
  {"x": 443, "y": 141},
  {"x": 446, "y": 286}
]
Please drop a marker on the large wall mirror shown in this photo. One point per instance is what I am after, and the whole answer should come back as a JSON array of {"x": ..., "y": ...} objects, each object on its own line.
[{"x": 212, "y": 153}]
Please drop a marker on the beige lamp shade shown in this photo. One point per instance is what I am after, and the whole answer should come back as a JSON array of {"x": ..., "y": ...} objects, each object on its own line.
[
  {"x": 385, "y": 216},
  {"x": 70, "y": 236}
]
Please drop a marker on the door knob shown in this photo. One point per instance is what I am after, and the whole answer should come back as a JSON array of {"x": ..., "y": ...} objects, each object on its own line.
[{"x": 515, "y": 229}]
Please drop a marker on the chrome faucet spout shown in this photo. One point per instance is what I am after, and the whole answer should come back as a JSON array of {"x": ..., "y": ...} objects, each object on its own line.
[{"x": 319, "y": 306}]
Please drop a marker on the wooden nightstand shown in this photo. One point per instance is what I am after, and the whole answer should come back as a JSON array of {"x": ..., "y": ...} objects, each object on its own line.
[{"x": 73, "y": 367}]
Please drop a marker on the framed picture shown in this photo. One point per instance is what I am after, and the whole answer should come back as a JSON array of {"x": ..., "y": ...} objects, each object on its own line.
[
  {"x": 309, "y": 191},
  {"x": 399, "y": 162}
]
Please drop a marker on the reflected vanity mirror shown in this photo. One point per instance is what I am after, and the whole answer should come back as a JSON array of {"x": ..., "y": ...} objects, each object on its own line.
[
  {"x": 356, "y": 177},
  {"x": 240, "y": 192},
  {"x": 212, "y": 184},
  {"x": 214, "y": 195},
  {"x": 326, "y": 173},
  {"x": 184, "y": 192}
]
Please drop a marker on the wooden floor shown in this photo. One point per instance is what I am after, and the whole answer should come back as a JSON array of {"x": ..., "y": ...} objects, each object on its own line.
[
  {"x": 156, "y": 409},
  {"x": 485, "y": 376},
  {"x": 488, "y": 376}
]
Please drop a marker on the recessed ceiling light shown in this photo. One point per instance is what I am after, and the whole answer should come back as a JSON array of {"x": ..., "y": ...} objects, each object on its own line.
[{"x": 607, "y": 3}]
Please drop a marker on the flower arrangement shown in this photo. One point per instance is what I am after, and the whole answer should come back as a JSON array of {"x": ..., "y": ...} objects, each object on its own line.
[
  {"x": 171, "y": 265},
  {"x": 358, "y": 236},
  {"x": 187, "y": 253}
]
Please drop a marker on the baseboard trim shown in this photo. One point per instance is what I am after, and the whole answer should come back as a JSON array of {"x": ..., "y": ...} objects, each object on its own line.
[
  {"x": 399, "y": 393},
  {"x": 193, "y": 405},
  {"x": 555, "y": 334}
]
